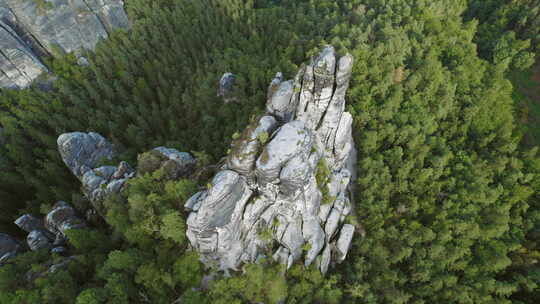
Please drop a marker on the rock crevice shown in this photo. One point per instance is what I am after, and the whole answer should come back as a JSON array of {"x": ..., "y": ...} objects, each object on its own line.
[
  {"x": 30, "y": 29},
  {"x": 270, "y": 198}
]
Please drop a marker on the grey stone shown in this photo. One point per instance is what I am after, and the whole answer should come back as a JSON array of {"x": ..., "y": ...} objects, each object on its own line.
[
  {"x": 291, "y": 140},
  {"x": 227, "y": 188},
  {"x": 29, "y": 223},
  {"x": 63, "y": 264},
  {"x": 279, "y": 104},
  {"x": 62, "y": 218},
  {"x": 69, "y": 25},
  {"x": 226, "y": 87},
  {"x": 314, "y": 234},
  {"x": 344, "y": 241},
  {"x": 82, "y": 152},
  {"x": 182, "y": 163},
  {"x": 123, "y": 170},
  {"x": 59, "y": 250},
  {"x": 325, "y": 259},
  {"x": 267, "y": 193},
  {"x": 8, "y": 246},
  {"x": 19, "y": 66},
  {"x": 38, "y": 239},
  {"x": 6, "y": 257},
  {"x": 194, "y": 202},
  {"x": 30, "y": 29},
  {"x": 82, "y": 61},
  {"x": 246, "y": 149}
]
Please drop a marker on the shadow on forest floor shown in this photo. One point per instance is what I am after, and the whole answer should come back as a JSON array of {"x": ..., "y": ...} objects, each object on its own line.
[{"x": 527, "y": 97}]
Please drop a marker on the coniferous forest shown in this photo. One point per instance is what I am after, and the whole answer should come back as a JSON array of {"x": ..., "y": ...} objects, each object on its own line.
[{"x": 447, "y": 193}]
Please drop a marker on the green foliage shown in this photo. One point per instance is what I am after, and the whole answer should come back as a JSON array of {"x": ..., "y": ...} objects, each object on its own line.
[
  {"x": 263, "y": 137},
  {"x": 149, "y": 161},
  {"x": 446, "y": 196},
  {"x": 152, "y": 86},
  {"x": 323, "y": 178},
  {"x": 508, "y": 30},
  {"x": 258, "y": 283},
  {"x": 151, "y": 210},
  {"x": 266, "y": 234}
]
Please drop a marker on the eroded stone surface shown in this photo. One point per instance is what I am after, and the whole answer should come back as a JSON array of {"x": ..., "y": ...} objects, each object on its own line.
[
  {"x": 226, "y": 87},
  {"x": 83, "y": 154},
  {"x": 269, "y": 199},
  {"x": 30, "y": 29},
  {"x": 29, "y": 223},
  {"x": 39, "y": 239},
  {"x": 18, "y": 63},
  {"x": 50, "y": 233},
  {"x": 9, "y": 247},
  {"x": 69, "y": 25}
]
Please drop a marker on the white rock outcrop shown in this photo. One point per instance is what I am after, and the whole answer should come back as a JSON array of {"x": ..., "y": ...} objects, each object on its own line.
[{"x": 285, "y": 188}]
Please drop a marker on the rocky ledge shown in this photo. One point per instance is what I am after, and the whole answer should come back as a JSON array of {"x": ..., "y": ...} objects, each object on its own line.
[
  {"x": 285, "y": 188},
  {"x": 31, "y": 29}
]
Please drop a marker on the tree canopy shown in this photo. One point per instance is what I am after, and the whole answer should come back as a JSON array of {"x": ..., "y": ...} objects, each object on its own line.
[{"x": 447, "y": 199}]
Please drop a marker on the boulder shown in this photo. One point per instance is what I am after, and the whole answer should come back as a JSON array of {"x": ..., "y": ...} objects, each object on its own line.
[
  {"x": 62, "y": 218},
  {"x": 51, "y": 232},
  {"x": 82, "y": 152},
  {"x": 286, "y": 181},
  {"x": 39, "y": 239},
  {"x": 29, "y": 223},
  {"x": 9, "y": 247},
  {"x": 226, "y": 87}
]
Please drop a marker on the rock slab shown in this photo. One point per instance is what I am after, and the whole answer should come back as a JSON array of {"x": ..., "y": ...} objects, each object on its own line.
[{"x": 30, "y": 29}]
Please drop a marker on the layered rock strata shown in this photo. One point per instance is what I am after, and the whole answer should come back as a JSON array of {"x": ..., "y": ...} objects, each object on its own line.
[{"x": 285, "y": 188}]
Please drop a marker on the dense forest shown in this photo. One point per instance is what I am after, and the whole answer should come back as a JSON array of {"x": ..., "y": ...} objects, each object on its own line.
[{"x": 447, "y": 195}]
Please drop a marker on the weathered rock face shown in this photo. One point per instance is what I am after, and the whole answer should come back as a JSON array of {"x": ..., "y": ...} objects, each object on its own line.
[
  {"x": 51, "y": 233},
  {"x": 62, "y": 218},
  {"x": 69, "y": 25},
  {"x": 30, "y": 29},
  {"x": 83, "y": 152},
  {"x": 285, "y": 188},
  {"x": 29, "y": 223},
  {"x": 226, "y": 87},
  {"x": 18, "y": 64},
  {"x": 9, "y": 247}
]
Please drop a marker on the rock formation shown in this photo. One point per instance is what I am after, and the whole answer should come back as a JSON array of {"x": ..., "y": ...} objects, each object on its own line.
[
  {"x": 83, "y": 154},
  {"x": 50, "y": 233},
  {"x": 9, "y": 247},
  {"x": 285, "y": 188},
  {"x": 30, "y": 29},
  {"x": 226, "y": 87}
]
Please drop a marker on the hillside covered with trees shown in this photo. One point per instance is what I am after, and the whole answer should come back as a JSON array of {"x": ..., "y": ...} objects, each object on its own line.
[{"x": 446, "y": 202}]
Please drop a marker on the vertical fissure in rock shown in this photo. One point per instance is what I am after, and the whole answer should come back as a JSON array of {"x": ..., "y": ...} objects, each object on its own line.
[
  {"x": 22, "y": 30},
  {"x": 13, "y": 33},
  {"x": 98, "y": 16},
  {"x": 287, "y": 175},
  {"x": 23, "y": 74}
]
